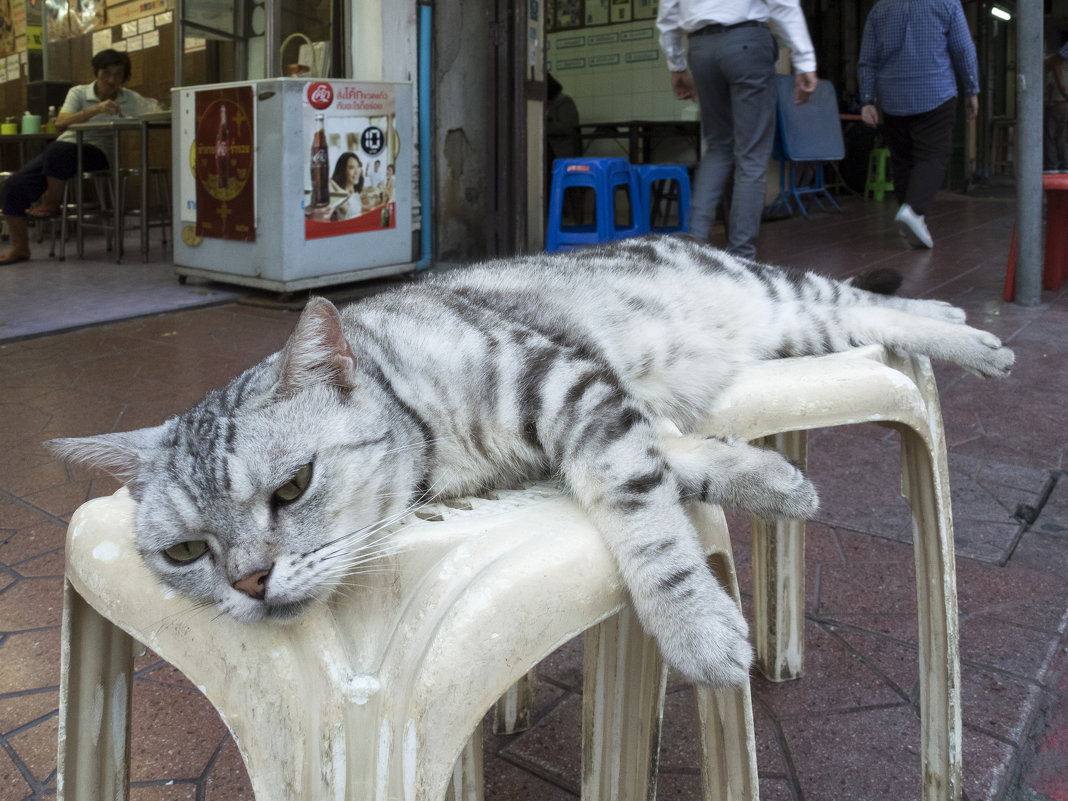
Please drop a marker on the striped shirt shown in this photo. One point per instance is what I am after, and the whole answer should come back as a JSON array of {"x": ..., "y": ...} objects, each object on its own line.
[{"x": 909, "y": 53}]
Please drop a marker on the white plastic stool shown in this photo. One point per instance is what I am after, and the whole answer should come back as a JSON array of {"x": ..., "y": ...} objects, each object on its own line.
[
  {"x": 376, "y": 694},
  {"x": 777, "y": 401}
]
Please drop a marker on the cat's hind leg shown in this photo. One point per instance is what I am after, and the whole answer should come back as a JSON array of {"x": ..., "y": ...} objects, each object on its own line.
[
  {"x": 973, "y": 349},
  {"x": 923, "y": 307}
]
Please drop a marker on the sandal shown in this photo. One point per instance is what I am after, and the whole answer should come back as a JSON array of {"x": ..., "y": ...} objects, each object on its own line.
[{"x": 43, "y": 213}]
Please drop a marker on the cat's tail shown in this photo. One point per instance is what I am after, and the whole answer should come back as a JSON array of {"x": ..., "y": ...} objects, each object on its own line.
[{"x": 881, "y": 281}]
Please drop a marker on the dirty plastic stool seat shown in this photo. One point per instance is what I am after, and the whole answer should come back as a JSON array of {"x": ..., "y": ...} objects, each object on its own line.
[{"x": 379, "y": 693}]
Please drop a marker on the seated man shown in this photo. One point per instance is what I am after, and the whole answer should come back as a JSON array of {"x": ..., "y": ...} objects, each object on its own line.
[{"x": 44, "y": 177}]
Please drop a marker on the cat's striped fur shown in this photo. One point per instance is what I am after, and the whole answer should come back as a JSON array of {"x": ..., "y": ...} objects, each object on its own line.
[{"x": 568, "y": 365}]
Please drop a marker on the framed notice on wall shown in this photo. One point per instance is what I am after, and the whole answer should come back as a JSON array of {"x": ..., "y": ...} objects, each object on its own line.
[{"x": 566, "y": 15}]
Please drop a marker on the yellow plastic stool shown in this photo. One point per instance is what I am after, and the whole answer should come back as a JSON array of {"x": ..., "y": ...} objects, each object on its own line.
[{"x": 879, "y": 182}]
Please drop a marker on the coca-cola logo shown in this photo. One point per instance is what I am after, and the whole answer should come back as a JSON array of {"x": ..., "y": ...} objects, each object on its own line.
[{"x": 320, "y": 94}]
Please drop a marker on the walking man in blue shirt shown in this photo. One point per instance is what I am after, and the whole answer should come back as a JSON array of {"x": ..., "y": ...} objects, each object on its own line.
[
  {"x": 907, "y": 59},
  {"x": 731, "y": 74}
]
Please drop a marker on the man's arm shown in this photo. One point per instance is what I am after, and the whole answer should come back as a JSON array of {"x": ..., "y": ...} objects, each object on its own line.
[
  {"x": 667, "y": 21},
  {"x": 867, "y": 65},
  {"x": 962, "y": 50},
  {"x": 804, "y": 85},
  {"x": 682, "y": 85},
  {"x": 788, "y": 20}
]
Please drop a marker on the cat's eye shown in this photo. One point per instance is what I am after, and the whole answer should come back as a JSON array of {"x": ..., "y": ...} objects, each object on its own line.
[
  {"x": 185, "y": 552},
  {"x": 294, "y": 488}
]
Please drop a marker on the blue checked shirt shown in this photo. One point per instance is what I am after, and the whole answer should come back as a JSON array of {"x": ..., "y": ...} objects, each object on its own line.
[{"x": 909, "y": 52}]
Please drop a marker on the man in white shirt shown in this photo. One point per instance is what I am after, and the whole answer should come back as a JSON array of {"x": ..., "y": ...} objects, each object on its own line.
[
  {"x": 43, "y": 178},
  {"x": 731, "y": 74}
]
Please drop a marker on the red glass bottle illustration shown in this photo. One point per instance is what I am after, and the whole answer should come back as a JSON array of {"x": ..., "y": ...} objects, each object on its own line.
[
  {"x": 222, "y": 151},
  {"x": 320, "y": 164}
]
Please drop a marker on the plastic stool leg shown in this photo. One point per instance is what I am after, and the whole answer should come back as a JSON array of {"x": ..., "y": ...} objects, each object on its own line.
[
  {"x": 925, "y": 483},
  {"x": 725, "y": 717},
  {"x": 514, "y": 710},
  {"x": 466, "y": 782},
  {"x": 728, "y": 746},
  {"x": 779, "y": 580},
  {"x": 624, "y": 679},
  {"x": 95, "y": 689}
]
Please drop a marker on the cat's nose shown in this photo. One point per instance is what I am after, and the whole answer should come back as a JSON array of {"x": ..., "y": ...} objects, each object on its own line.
[{"x": 254, "y": 585}]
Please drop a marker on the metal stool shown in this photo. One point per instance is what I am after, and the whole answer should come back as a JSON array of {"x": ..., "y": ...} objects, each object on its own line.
[
  {"x": 611, "y": 180},
  {"x": 3, "y": 224},
  {"x": 159, "y": 212},
  {"x": 100, "y": 209}
]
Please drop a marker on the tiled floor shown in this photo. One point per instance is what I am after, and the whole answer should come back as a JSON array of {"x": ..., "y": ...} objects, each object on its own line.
[
  {"x": 847, "y": 730},
  {"x": 48, "y": 295}
]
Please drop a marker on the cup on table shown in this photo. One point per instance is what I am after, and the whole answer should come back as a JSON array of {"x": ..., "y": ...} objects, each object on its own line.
[
  {"x": 9, "y": 128},
  {"x": 31, "y": 124}
]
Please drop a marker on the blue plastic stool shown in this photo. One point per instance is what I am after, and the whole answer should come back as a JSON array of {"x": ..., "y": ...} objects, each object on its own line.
[
  {"x": 648, "y": 174},
  {"x": 604, "y": 176}
]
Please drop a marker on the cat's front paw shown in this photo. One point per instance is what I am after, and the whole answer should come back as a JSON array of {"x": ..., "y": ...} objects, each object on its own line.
[{"x": 711, "y": 649}]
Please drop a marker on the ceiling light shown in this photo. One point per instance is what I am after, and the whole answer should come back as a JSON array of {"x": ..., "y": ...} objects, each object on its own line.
[{"x": 1000, "y": 13}]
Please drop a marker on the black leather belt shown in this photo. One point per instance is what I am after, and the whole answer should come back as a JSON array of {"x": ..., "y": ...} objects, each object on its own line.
[{"x": 715, "y": 27}]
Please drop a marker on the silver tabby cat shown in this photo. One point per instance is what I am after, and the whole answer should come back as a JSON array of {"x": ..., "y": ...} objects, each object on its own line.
[{"x": 263, "y": 497}]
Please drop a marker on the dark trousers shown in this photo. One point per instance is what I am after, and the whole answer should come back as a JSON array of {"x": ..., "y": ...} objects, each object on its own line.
[
  {"x": 57, "y": 160},
  {"x": 920, "y": 147}
]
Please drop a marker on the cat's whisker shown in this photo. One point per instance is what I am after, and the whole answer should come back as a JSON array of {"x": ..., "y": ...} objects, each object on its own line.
[{"x": 194, "y": 606}]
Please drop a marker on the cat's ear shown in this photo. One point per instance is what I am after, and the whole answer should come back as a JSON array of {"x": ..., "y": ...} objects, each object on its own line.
[
  {"x": 122, "y": 455},
  {"x": 317, "y": 351}
]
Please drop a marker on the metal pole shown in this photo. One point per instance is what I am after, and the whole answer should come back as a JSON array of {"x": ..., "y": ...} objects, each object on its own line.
[{"x": 1028, "y": 153}]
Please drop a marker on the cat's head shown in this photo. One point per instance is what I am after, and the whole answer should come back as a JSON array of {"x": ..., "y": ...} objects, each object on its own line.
[{"x": 267, "y": 493}]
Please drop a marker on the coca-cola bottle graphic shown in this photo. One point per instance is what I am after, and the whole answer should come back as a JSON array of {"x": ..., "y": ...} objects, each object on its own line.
[
  {"x": 320, "y": 164},
  {"x": 222, "y": 151}
]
